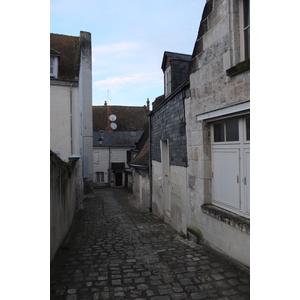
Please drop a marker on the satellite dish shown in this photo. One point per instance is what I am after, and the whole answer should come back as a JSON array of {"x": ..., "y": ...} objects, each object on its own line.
[
  {"x": 113, "y": 126},
  {"x": 112, "y": 118}
]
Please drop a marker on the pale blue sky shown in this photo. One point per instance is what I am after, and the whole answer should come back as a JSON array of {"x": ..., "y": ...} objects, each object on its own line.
[{"x": 128, "y": 42}]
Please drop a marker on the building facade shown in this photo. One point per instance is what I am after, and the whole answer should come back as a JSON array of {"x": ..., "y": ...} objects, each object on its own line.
[
  {"x": 168, "y": 150},
  {"x": 199, "y": 137},
  {"x": 218, "y": 130},
  {"x": 117, "y": 129},
  {"x": 71, "y": 135}
]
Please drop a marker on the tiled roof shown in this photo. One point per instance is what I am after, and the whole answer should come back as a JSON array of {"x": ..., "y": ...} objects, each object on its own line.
[
  {"x": 116, "y": 138},
  {"x": 69, "y": 49},
  {"x": 129, "y": 118}
]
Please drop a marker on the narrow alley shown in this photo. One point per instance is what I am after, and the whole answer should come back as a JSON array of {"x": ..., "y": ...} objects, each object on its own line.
[{"x": 117, "y": 250}]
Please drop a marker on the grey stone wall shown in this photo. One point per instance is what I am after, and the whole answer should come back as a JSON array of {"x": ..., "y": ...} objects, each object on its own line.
[
  {"x": 168, "y": 123},
  {"x": 62, "y": 201}
]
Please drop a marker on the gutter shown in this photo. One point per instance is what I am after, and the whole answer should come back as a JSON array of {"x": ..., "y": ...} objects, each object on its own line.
[{"x": 138, "y": 166}]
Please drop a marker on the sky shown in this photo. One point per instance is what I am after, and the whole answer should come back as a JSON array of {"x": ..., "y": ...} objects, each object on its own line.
[{"x": 128, "y": 42}]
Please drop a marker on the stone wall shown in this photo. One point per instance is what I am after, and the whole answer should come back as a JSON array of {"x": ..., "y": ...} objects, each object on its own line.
[
  {"x": 141, "y": 187},
  {"x": 63, "y": 200},
  {"x": 216, "y": 50}
]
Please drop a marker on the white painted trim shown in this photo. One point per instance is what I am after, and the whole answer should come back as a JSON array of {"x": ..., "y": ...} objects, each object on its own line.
[{"x": 224, "y": 111}]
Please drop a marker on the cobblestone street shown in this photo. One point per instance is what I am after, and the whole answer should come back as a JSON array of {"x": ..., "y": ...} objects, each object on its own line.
[{"x": 117, "y": 250}]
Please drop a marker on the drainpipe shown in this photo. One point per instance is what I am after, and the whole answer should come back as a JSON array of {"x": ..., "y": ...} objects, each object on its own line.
[
  {"x": 71, "y": 116},
  {"x": 150, "y": 164},
  {"x": 109, "y": 168}
]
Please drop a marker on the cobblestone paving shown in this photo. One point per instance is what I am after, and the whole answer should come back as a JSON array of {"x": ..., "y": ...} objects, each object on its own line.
[{"x": 117, "y": 250}]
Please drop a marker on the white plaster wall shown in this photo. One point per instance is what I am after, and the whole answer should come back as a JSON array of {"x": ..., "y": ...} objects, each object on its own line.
[
  {"x": 157, "y": 191},
  {"x": 60, "y": 117},
  {"x": 106, "y": 155},
  {"x": 178, "y": 195},
  {"x": 136, "y": 186},
  {"x": 103, "y": 163},
  {"x": 119, "y": 155}
]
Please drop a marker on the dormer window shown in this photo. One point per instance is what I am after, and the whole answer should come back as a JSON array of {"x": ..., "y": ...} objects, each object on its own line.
[
  {"x": 53, "y": 66},
  {"x": 168, "y": 81}
]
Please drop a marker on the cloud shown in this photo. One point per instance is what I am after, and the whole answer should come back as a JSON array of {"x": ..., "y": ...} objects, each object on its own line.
[
  {"x": 117, "y": 82},
  {"x": 125, "y": 47}
]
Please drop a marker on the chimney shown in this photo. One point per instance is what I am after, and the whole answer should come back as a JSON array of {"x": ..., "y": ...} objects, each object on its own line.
[
  {"x": 105, "y": 103},
  {"x": 148, "y": 104}
]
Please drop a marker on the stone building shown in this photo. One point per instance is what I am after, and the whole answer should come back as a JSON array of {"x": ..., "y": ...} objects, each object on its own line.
[
  {"x": 218, "y": 130},
  {"x": 168, "y": 149},
  {"x": 199, "y": 137}
]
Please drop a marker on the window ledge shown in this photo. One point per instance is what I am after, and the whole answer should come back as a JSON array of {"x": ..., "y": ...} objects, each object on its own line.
[
  {"x": 240, "y": 67},
  {"x": 229, "y": 218}
]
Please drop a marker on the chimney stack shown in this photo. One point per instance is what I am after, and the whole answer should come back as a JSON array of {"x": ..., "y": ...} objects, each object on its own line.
[
  {"x": 148, "y": 104},
  {"x": 105, "y": 103}
]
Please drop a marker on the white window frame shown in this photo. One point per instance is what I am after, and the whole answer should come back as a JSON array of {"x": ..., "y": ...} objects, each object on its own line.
[
  {"x": 100, "y": 177},
  {"x": 243, "y": 28},
  {"x": 54, "y": 66},
  {"x": 241, "y": 191},
  {"x": 168, "y": 81}
]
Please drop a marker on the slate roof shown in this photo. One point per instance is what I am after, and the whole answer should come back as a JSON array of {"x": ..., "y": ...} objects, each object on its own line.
[
  {"x": 126, "y": 139},
  {"x": 174, "y": 56},
  {"x": 142, "y": 159},
  {"x": 158, "y": 101},
  {"x": 129, "y": 118},
  {"x": 68, "y": 49}
]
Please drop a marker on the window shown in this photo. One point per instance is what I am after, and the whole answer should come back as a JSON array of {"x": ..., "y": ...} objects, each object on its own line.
[
  {"x": 245, "y": 29},
  {"x": 231, "y": 165},
  {"x": 100, "y": 176},
  {"x": 128, "y": 156},
  {"x": 53, "y": 66},
  {"x": 96, "y": 157},
  {"x": 226, "y": 131},
  {"x": 168, "y": 81}
]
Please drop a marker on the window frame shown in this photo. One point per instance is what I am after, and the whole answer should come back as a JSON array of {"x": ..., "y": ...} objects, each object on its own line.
[
  {"x": 243, "y": 29},
  {"x": 242, "y": 146},
  {"x": 54, "y": 66},
  {"x": 168, "y": 81},
  {"x": 100, "y": 177}
]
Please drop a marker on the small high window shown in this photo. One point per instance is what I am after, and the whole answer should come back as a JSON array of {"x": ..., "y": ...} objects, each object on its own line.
[{"x": 168, "y": 81}]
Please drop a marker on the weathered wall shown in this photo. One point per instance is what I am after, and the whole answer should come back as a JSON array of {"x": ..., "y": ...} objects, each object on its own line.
[
  {"x": 216, "y": 50},
  {"x": 140, "y": 187},
  {"x": 85, "y": 99},
  {"x": 63, "y": 198}
]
